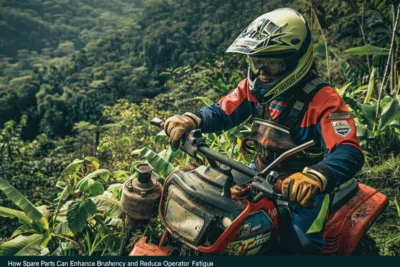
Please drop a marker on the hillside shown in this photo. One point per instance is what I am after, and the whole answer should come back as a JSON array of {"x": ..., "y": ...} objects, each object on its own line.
[{"x": 81, "y": 79}]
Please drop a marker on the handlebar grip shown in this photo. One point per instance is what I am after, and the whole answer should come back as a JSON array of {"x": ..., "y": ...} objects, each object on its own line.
[
  {"x": 278, "y": 186},
  {"x": 157, "y": 122}
]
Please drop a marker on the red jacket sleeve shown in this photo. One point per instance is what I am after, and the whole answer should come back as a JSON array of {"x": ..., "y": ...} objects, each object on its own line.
[{"x": 338, "y": 135}]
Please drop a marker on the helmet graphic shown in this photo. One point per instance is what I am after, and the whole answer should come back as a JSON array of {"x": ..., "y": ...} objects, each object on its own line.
[{"x": 278, "y": 42}]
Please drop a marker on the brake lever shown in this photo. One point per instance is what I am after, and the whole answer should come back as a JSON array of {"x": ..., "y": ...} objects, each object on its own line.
[
  {"x": 267, "y": 192},
  {"x": 269, "y": 186}
]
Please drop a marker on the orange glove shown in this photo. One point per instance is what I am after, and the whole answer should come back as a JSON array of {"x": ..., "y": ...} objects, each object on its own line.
[
  {"x": 176, "y": 127},
  {"x": 301, "y": 188}
]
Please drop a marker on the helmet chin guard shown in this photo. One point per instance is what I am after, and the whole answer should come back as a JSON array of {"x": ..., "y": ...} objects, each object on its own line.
[{"x": 260, "y": 89}]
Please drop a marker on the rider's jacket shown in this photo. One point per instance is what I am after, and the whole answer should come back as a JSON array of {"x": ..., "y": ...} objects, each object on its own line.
[{"x": 327, "y": 120}]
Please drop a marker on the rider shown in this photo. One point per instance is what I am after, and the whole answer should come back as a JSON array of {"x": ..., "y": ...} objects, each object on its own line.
[{"x": 282, "y": 87}]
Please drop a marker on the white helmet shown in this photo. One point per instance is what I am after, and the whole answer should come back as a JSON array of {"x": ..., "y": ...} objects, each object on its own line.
[{"x": 279, "y": 42}]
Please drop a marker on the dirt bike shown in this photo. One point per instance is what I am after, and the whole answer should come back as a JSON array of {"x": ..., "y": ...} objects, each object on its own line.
[{"x": 227, "y": 207}]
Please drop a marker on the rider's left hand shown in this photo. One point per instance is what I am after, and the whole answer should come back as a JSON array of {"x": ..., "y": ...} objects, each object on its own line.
[{"x": 301, "y": 188}]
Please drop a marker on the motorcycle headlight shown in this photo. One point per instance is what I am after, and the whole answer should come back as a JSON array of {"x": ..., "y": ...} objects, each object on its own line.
[{"x": 188, "y": 223}]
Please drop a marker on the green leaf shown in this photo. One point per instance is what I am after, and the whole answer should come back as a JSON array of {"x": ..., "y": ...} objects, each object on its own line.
[
  {"x": 157, "y": 162},
  {"x": 32, "y": 249},
  {"x": 120, "y": 175},
  {"x": 371, "y": 86},
  {"x": 72, "y": 168},
  {"x": 397, "y": 207},
  {"x": 24, "y": 229},
  {"x": 78, "y": 213},
  {"x": 104, "y": 146},
  {"x": 92, "y": 162},
  {"x": 205, "y": 100},
  {"x": 101, "y": 173},
  {"x": 21, "y": 245},
  {"x": 342, "y": 90},
  {"x": 364, "y": 133},
  {"x": 24, "y": 204},
  {"x": 369, "y": 114},
  {"x": 115, "y": 189},
  {"x": 93, "y": 187},
  {"x": 160, "y": 136},
  {"x": 65, "y": 249},
  {"x": 44, "y": 211},
  {"x": 11, "y": 213},
  {"x": 107, "y": 237},
  {"x": 116, "y": 222},
  {"x": 390, "y": 113},
  {"x": 108, "y": 204},
  {"x": 62, "y": 213},
  {"x": 60, "y": 184},
  {"x": 124, "y": 142},
  {"x": 63, "y": 195},
  {"x": 368, "y": 50},
  {"x": 166, "y": 154},
  {"x": 96, "y": 188},
  {"x": 63, "y": 229}
]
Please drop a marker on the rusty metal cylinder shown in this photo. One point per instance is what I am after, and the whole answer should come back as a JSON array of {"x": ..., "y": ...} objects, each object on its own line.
[
  {"x": 141, "y": 196},
  {"x": 145, "y": 172}
]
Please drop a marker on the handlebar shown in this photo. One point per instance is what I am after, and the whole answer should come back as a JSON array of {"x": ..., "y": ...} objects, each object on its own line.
[
  {"x": 209, "y": 153},
  {"x": 265, "y": 181}
]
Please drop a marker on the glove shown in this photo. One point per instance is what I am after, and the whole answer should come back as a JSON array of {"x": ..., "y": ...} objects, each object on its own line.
[
  {"x": 301, "y": 188},
  {"x": 176, "y": 127}
]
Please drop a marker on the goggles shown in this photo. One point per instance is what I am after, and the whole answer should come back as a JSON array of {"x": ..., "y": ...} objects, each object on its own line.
[{"x": 272, "y": 65}]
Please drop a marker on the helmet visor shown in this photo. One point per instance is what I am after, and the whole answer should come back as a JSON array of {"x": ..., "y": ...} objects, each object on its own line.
[{"x": 272, "y": 65}]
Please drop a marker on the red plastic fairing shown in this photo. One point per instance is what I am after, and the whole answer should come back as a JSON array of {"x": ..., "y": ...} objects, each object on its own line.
[
  {"x": 230, "y": 233},
  {"x": 345, "y": 227},
  {"x": 143, "y": 249}
]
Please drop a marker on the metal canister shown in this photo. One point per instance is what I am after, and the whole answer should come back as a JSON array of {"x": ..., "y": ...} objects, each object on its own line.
[{"x": 141, "y": 196}]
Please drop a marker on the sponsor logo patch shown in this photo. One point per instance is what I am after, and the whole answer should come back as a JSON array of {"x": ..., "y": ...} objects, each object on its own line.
[
  {"x": 342, "y": 128},
  {"x": 339, "y": 116}
]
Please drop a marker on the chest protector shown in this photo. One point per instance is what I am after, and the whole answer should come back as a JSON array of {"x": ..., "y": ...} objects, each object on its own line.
[{"x": 272, "y": 137}]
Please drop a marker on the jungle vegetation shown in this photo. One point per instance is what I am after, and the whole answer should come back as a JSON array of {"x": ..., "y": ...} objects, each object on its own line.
[{"x": 80, "y": 81}]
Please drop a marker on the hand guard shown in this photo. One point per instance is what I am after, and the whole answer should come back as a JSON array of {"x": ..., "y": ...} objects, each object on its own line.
[
  {"x": 176, "y": 127},
  {"x": 301, "y": 188}
]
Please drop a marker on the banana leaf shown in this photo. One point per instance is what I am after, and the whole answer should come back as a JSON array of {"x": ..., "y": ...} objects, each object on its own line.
[
  {"x": 371, "y": 86},
  {"x": 24, "y": 204},
  {"x": 65, "y": 249},
  {"x": 342, "y": 90},
  {"x": 390, "y": 113},
  {"x": 364, "y": 133},
  {"x": 115, "y": 189},
  {"x": 369, "y": 112},
  {"x": 108, "y": 204},
  {"x": 156, "y": 161},
  {"x": 21, "y": 245},
  {"x": 369, "y": 50},
  {"x": 63, "y": 229},
  {"x": 102, "y": 173},
  {"x": 11, "y": 213}
]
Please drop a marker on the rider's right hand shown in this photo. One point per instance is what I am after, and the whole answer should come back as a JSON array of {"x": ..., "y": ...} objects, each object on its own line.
[{"x": 176, "y": 127}]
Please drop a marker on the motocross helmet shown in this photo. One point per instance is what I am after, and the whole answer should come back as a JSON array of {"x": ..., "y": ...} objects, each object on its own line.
[{"x": 279, "y": 42}]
